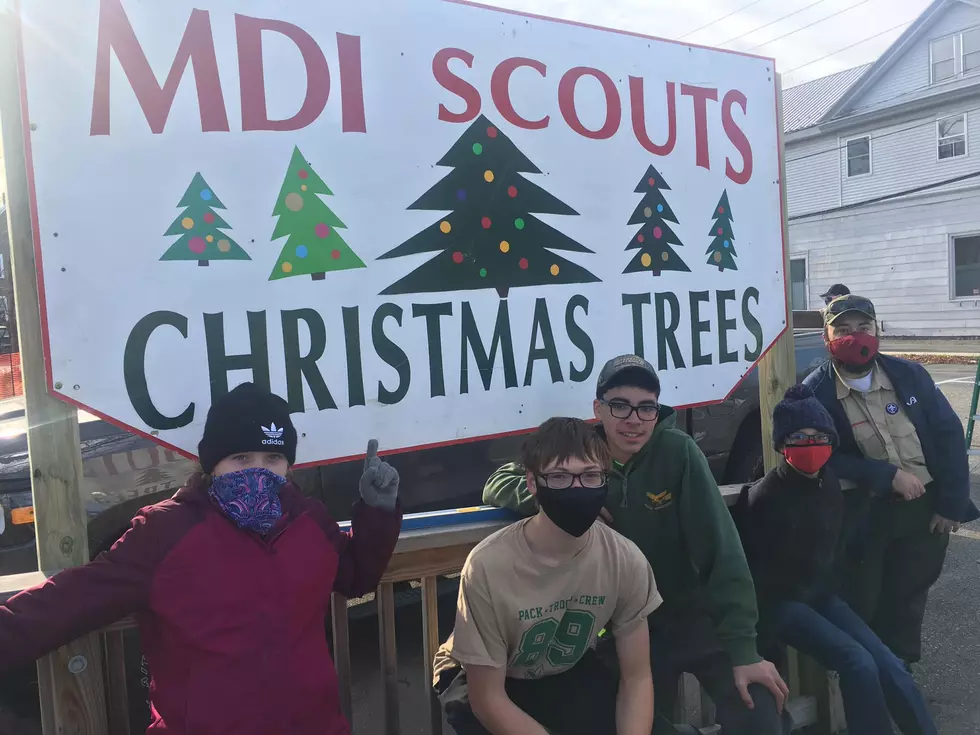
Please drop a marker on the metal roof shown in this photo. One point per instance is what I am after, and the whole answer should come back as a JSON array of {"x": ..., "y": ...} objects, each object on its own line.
[{"x": 806, "y": 104}]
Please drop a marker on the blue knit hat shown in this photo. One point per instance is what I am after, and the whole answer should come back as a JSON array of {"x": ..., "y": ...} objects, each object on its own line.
[{"x": 798, "y": 410}]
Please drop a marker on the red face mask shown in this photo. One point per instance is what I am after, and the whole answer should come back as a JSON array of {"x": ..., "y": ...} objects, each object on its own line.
[
  {"x": 855, "y": 350},
  {"x": 808, "y": 459}
]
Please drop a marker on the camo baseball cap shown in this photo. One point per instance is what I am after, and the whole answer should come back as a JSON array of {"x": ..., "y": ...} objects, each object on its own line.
[{"x": 844, "y": 304}]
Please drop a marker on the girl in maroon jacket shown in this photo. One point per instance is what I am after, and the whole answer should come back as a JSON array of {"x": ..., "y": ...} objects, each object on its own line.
[{"x": 230, "y": 581}]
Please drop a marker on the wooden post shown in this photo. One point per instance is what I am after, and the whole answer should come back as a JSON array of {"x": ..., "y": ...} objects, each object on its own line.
[
  {"x": 341, "y": 653},
  {"x": 777, "y": 370},
  {"x": 389, "y": 656},
  {"x": 777, "y": 373},
  {"x": 70, "y": 679},
  {"x": 430, "y": 644}
]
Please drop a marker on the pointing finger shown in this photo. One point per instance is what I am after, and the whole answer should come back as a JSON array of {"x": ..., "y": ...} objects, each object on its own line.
[{"x": 372, "y": 451}]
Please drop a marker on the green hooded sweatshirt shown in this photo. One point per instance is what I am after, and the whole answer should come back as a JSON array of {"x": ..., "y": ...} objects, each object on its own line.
[{"x": 666, "y": 501}]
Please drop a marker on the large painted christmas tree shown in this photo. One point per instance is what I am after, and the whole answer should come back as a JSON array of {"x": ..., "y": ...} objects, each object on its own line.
[
  {"x": 314, "y": 245},
  {"x": 489, "y": 238},
  {"x": 654, "y": 239},
  {"x": 721, "y": 251},
  {"x": 199, "y": 227}
]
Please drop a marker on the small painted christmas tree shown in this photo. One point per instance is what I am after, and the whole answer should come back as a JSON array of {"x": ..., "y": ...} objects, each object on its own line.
[
  {"x": 654, "y": 238},
  {"x": 489, "y": 239},
  {"x": 199, "y": 227},
  {"x": 721, "y": 251},
  {"x": 314, "y": 245}
]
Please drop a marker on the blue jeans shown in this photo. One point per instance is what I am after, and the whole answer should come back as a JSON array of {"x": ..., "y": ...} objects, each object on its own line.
[{"x": 874, "y": 683}]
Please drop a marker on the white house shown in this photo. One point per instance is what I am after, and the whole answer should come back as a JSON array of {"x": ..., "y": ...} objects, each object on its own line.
[{"x": 883, "y": 178}]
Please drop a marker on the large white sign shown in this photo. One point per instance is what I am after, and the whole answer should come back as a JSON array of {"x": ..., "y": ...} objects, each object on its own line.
[{"x": 429, "y": 221}]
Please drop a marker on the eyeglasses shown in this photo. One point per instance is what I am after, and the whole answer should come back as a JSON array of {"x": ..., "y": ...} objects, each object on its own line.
[
  {"x": 623, "y": 410},
  {"x": 808, "y": 439},
  {"x": 563, "y": 480}
]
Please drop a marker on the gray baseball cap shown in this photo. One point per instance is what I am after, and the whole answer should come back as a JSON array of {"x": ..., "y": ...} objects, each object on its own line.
[{"x": 637, "y": 368}]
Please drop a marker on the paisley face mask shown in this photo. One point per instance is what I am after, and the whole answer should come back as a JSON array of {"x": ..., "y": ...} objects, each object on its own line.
[{"x": 250, "y": 498}]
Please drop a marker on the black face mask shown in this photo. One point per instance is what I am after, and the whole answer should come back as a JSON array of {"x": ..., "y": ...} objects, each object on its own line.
[{"x": 573, "y": 509}]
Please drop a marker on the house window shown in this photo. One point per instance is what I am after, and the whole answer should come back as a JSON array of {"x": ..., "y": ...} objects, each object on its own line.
[
  {"x": 943, "y": 55},
  {"x": 859, "y": 156},
  {"x": 951, "y": 134},
  {"x": 971, "y": 50},
  {"x": 797, "y": 284},
  {"x": 951, "y": 56},
  {"x": 966, "y": 266}
]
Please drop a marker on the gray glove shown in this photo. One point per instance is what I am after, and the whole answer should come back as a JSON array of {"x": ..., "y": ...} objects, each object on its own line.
[{"x": 379, "y": 483}]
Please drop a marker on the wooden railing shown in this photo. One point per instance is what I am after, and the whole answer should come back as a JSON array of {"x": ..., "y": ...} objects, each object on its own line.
[{"x": 424, "y": 553}]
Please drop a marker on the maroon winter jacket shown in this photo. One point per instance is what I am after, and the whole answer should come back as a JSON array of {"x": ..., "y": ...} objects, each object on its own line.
[{"x": 232, "y": 624}]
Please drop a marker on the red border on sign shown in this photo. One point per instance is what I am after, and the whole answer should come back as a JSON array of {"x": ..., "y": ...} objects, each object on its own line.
[{"x": 42, "y": 300}]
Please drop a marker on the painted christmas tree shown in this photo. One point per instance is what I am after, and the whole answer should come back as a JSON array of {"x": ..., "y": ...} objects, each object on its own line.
[
  {"x": 654, "y": 238},
  {"x": 200, "y": 226},
  {"x": 314, "y": 245},
  {"x": 489, "y": 238},
  {"x": 721, "y": 251}
]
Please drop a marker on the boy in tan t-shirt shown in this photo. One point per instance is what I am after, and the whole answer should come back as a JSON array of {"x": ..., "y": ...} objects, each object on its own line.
[{"x": 532, "y": 600}]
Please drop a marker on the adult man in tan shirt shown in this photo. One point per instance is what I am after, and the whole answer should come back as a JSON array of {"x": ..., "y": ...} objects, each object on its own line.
[
  {"x": 533, "y": 598},
  {"x": 902, "y": 450}
]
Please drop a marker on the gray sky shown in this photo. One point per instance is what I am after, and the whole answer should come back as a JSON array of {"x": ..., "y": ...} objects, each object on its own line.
[{"x": 675, "y": 18}]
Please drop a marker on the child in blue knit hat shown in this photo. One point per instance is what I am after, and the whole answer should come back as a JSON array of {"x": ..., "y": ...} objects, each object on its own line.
[{"x": 790, "y": 522}]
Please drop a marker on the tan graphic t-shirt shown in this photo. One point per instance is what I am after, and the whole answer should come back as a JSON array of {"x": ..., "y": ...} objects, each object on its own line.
[{"x": 537, "y": 619}]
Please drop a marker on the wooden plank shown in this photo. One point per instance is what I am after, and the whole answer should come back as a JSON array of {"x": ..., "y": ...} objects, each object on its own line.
[
  {"x": 432, "y": 538},
  {"x": 11, "y": 584},
  {"x": 430, "y": 644},
  {"x": 70, "y": 679},
  {"x": 426, "y": 563},
  {"x": 389, "y": 656},
  {"x": 117, "y": 694},
  {"x": 341, "y": 653}
]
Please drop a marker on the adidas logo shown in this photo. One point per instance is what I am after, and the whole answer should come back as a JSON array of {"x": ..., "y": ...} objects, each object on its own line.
[{"x": 274, "y": 434}]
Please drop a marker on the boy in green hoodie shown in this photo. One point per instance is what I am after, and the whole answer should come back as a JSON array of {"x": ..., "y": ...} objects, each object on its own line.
[{"x": 663, "y": 497}]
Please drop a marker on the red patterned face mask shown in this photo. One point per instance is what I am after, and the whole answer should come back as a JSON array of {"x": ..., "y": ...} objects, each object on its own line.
[
  {"x": 808, "y": 459},
  {"x": 854, "y": 350}
]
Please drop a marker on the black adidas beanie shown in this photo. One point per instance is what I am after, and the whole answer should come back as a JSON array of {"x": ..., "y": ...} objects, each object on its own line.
[
  {"x": 800, "y": 409},
  {"x": 248, "y": 419}
]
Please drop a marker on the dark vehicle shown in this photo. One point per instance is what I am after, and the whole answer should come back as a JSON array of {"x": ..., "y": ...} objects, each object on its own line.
[{"x": 123, "y": 472}]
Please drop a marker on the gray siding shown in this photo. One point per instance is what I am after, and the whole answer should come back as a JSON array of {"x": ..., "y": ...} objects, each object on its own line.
[
  {"x": 812, "y": 176},
  {"x": 911, "y": 71},
  {"x": 904, "y": 154},
  {"x": 898, "y": 254}
]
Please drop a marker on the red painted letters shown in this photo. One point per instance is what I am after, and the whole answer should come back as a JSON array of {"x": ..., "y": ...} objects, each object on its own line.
[
  {"x": 252, "y": 75},
  {"x": 351, "y": 84},
  {"x": 737, "y": 136},
  {"x": 566, "y": 103},
  {"x": 197, "y": 47},
  {"x": 701, "y": 95},
  {"x": 638, "y": 108},
  {"x": 452, "y": 83},
  {"x": 500, "y": 91}
]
